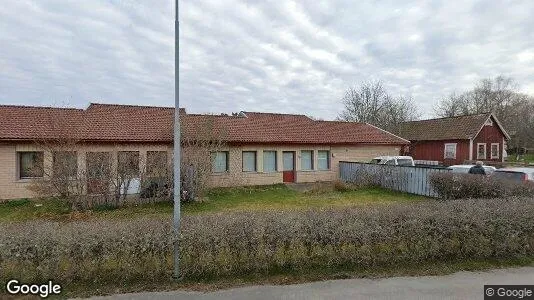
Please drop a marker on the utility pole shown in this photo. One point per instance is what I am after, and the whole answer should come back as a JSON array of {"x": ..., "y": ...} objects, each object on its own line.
[{"x": 177, "y": 144}]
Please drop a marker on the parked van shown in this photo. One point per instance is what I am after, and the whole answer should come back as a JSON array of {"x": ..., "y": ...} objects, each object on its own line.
[
  {"x": 464, "y": 169},
  {"x": 393, "y": 160}
]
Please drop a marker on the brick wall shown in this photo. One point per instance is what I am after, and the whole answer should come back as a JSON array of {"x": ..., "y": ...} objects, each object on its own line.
[
  {"x": 12, "y": 187},
  {"x": 235, "y": 176}
]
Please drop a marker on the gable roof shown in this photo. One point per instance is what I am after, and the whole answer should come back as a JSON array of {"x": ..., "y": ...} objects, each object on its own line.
[
  {"x": 451, "y": 128},
  {"x": 127, "y": 123}
]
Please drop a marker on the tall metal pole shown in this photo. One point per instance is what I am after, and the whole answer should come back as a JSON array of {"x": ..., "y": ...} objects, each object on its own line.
[{"x": 176, "y": 163}]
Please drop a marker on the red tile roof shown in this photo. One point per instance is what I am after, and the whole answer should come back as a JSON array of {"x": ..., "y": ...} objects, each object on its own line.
[
  {"x": 127, "y": 123},
  {"x": 29, "y": 123}
]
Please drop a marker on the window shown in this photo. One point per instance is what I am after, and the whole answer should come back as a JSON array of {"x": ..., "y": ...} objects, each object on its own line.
[
  {"x": 390, "y": 162},
  {"x": 156, "y": 163},
  {"x": 220, "y": 162},
  {"x": 98, "y": 165},
  {"x": 249, "y": 161},
  {"x": 323, "y": 160},
  {"x": 450, "y": 151},
  {"x": 495, "y": 150},
  {"x": 31, "y": 164},
  {"x": 404, "y": 162},
  {"x": 65, "y": 164},
  {"x": 269, "y": 161},
  {"x": 481, "y": 151},
  {"x": 128, "y": 163},
  {"x": 306, "y": 160}
]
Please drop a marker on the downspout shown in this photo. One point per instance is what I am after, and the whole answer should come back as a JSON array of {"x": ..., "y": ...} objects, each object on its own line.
[
  {"x": 471, "y": 149},
  {"x": 503, "y": 149}
]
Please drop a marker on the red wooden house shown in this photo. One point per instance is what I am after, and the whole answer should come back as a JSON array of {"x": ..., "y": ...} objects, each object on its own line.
[{"x": 456, "y": 139}]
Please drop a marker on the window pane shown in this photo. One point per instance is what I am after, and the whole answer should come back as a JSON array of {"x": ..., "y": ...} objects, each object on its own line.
[
  {"x": 156, "y": 163},
  {"x": 65, "y": 163},
  {"x": 481, "y": 151},
  {"x": 98, "y": 166},
  {"x": 306, "y": 160},
  {"x": 450, "y": 151},
  {"x": 494, "y": 151},
  {"x": 220, "y": 162},
  {"x": 269, "y": 161},
  {"x": 323, "y": 160},
  {"x": 249, "y": 161},
  {"x": 289, "y": 161},
  {"x": 31, "y": 164},
  {"x": 128, "y": 163}
]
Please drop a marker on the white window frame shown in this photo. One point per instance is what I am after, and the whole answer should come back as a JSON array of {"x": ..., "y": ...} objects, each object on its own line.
[
  {"x": 445, "y": 150},
  {"x": 498, "y": 150},
  {"x": 485, "y": 151}
]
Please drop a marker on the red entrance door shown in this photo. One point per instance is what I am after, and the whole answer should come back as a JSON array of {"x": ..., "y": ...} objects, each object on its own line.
[{"x": 289, "y": 166}]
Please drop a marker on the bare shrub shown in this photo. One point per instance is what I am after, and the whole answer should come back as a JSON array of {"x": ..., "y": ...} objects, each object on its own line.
[
  {"x": 243, "y": 243},
  {"x": 456, "y": 186},
  {"x": 198, "y": 151}
]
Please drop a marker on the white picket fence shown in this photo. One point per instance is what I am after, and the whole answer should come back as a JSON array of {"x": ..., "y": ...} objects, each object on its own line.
[{"x": 413, "y": 180}]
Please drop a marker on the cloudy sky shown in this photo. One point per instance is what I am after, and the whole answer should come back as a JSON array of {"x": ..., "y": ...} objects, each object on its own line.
[{"x": 273, "y": 56}]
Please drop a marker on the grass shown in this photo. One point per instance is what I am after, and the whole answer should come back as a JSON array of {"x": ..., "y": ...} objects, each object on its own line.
[
  {"x": 529, "y": 158},
  {"x": 274, "y": 197},
  {"x": 293, "y": 277}
]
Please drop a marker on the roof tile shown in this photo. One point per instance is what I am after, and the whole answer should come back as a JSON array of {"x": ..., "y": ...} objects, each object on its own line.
[
  {"x": 127, "y": 123},
  {"x": 452, "y": 128}
]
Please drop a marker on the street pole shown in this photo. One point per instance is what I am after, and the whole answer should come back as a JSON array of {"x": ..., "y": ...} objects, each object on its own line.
[{"x": 176, "y": 163}]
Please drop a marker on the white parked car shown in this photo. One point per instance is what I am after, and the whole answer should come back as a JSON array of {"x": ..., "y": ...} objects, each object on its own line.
[
  {"x": 393, "y": 160},
  {"x": 464, "y": 169},
  {"x": 516, "y": 174}
]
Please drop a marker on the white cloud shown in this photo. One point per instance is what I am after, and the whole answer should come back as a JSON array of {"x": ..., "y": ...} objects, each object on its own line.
[{"x": 257, "y": 56}]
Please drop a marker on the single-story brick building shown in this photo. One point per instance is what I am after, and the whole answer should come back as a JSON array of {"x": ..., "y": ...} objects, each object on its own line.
[
  {"x": 260, "y": 148},
  {"x": 455, "y": 140}
]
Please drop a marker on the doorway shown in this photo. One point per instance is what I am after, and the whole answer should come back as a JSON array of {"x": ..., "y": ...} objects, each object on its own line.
[{"x": 289, "y": 166}]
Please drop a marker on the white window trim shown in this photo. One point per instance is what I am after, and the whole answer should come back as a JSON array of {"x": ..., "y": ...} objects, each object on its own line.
[
  {"x": 498, "y": 150},
  {"x": 485, "y": 152},
  {"x": 445, "y": 150}
]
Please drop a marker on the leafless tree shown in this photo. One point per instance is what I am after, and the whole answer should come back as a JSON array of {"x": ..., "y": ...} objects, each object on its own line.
[
  {"x": 198, "y": 154},
  {"x": 500, "y": 96},
  {"x": 371, "y": 103}
]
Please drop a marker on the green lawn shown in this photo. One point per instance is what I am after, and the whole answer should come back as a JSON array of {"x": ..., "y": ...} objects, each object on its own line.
[
  {"x": 529, "y": 158},
  {"x": 277, "y": 197}
]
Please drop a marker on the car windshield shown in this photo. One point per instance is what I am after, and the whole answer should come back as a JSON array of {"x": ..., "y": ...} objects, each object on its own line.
[
  {"x": 404, "y": 162},
  {"x": 375, "y": 161},
  {"x": 515, "y": 176}
]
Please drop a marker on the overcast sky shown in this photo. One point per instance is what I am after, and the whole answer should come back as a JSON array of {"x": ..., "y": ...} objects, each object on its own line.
[{"x": 272, "y": 56}]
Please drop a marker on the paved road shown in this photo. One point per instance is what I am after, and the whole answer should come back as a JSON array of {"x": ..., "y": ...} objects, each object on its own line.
[{"x": 462, "y": 285}]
